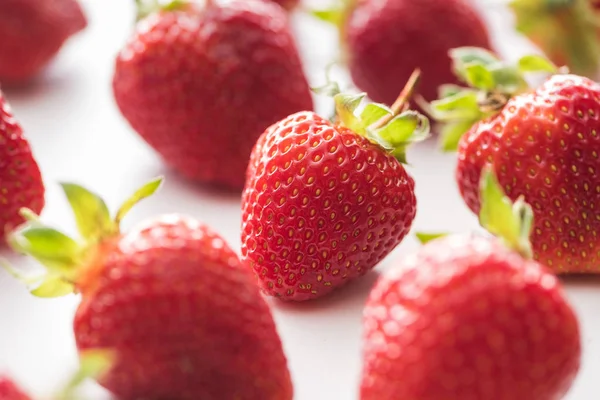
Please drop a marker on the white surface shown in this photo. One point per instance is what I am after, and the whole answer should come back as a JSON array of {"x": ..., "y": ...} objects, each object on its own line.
[{"x": 78, "y": 135}]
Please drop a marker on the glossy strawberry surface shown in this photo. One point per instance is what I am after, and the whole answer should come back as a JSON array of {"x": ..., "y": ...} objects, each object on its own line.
[
  {"x": 322, "y": 206},
  {"x": 387, "y": 39},
  {"x": 21, "y": 182},
  {"x": 184, "y": 317},
  {"x": 545, "y": 146},
  {"x": 201, "y": 85},
  {"x": 10, "y": 391},
  {"x": 33, "y": 32},
  {"x": 466, "y": 318}
]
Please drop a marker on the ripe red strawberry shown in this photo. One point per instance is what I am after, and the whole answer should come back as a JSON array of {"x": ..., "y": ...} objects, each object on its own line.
[
  {"x": 170, "y": 300},
  {"x": 21, "y": 182},
  {"x": 385, "y": 40},
  {"x": 10, "y": 391},
  {"x": 543, "y": 144},
  {"x": 33, "y": 32},
  {"x": 325, "y": 202},
  {"x": 201, "y": 84},
  {"x": 470, "y": 318},
  {"x": 568, "y": 32}
]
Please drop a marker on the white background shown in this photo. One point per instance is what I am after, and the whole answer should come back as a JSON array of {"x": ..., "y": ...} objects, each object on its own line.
[{"x": 78, "y": 135}]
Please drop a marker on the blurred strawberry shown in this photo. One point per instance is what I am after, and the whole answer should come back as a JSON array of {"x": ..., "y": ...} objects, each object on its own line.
[
  {"x": 287, "y": 4},
  {"x": 171, "y": 302},
  {"x": 385, "y": 40},
  {"x": 32, "y": 32},
  {"x": 201, "y": 84},
  {"x": 472, "y": 318},
  {"x": 21, "y": 182},
  {"x": 568, "y": 32},
  {"x": 10, "y": 391}
]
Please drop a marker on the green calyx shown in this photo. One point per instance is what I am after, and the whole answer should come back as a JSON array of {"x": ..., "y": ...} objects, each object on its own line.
[
  {"x": 62, "y": 256},
  {"x": 93, "y": 364},
  {"x": 392, "y": 128},
  {"x": 567, "y": 31},
  {"x": 335, "y": 14},
  {"x": 511, "y": 222},
  {"x": 147, "y": 7},
  {"x": 426, "y": 237},
  {"x": 490, "y": 82}
]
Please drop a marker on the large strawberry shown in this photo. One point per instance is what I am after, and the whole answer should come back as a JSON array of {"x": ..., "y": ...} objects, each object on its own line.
[
  {"x": 385, "y": 40},
  {"x": 181, "y": 317},
  {"x": 471, "y": 318},
  {"x": 568, "y": 32},
  {"x": 542, "y": 143},
  {"x": 325, "y": 202},
  {"x": 32, "y": 32},
  {"x": 201, "y": 84},
  {"x": 21, "y": 182}
]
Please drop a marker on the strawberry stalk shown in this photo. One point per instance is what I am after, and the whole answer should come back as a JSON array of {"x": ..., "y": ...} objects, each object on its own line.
[
  {"x": 63, "y": 257},
  {"x": 491, "y": 83},
  {"x": 146, "y": 7},
  {"x": 393, "y": 129},
  {"x": 567, "y": 31}
]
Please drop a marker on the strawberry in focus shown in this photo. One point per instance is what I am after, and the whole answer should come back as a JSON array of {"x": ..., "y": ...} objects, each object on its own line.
[
  {"x": 325, "y": 202},
  {"x": 33, "y": 32},
  {"x": 21, "y": 183},
  {"x": 568, "y": 32},
  {"x": 181, "y": 317},
  {"x": 384, "y": 41},
  {"x": 471, "y": 317},
  {"x": 200, "y": 84},
  {"x": 542, "y": 143},
  {"x": 10, "y": 391}
]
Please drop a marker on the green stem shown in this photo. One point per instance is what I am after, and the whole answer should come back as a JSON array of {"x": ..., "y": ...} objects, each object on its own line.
[{"x": 401, "y": 103}]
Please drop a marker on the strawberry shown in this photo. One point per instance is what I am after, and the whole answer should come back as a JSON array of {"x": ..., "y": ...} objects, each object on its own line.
[
  {"x": 325, "y": 202},
  {"x": 543, "y": 144},
  {"x": 471, "y": 318},
  {"x": 21, "y": 182},
  {"x": 568, "y": 32},
  {"x": 201, "y": 84},
  {"x": 33, "y": 32},
  {"x": 385, "y": 40},
  {"x": 171, "y": 302},
  {"x": 287, "y": 4},
  {"x": 9, "y": 390}
]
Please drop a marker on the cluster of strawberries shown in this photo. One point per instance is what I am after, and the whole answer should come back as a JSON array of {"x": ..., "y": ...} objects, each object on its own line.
[{"x": 218, "y": 90}]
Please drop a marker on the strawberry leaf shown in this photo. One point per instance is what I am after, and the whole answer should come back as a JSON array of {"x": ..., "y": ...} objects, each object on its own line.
[
  {"x": 90, "y": 211},
  {"x": 452, "y": 132},
  {"x": 478, "y": 76},
  {"x": 429, "y": 237},
  {"x": 498, "y": 215},
  {"x": 142, "y": 193},
  {"x": 533, "y": 63},
  {"x": 346, "y": 105},
  {"x": 53, "y": 286},
  {"x": 93, "y": 363}
]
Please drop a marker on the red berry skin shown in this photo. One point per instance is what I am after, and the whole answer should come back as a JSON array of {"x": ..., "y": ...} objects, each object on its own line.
[
  {"x": 21, "y": 182},
  {"x": 10, "y": 391},
  {"x": 200, "y": 86},
  {"x": 545, "y": 146},
  {"x": 322, "y": 206},
  {"x": 287, "y": 4},
  {"x": 466, "y": 318},
  {"x": 386, "y": 40},
  {"x": 33, "y": 32},
  {"x": 185, "y": 318}
]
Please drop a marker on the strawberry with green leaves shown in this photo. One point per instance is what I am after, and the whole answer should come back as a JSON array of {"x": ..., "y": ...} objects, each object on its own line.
[
  {"x": 543, "y": 144},
  {"x": 200, "y": 83},
  {"x": 181, "y": 316},
  {"x": 471, "y": 317},
  {"x": 325, "y": 202},
  {"x": 568, "y": 32}
]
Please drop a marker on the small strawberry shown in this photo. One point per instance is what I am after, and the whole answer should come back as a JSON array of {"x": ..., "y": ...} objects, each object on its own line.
[
  {"x": 10, "y": 391},
  {"x": 21, "y": 182},
  {"x": 543, "y": 144},
  {"x": 385, "y": 40},
  {"x": 471, "y": 318},
  {"x": 325, "y": 202},
  {"x": 201, "y": 84},
  {"x": 33, "y": 32},
  {"x": 568, "y": 32},
  {"x": 182, "y": 318}
]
